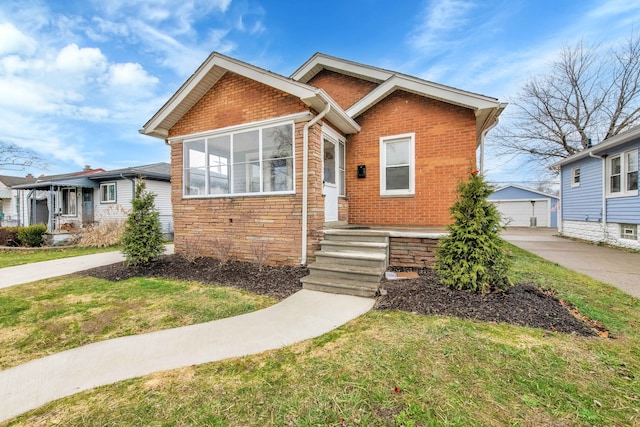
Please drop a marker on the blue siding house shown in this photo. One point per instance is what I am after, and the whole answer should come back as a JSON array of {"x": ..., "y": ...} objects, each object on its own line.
[
  {"x": 518, "y": 205},
  {"x": 599, "y": 192}
]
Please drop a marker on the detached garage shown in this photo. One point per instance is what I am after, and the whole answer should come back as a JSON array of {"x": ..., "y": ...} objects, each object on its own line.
[{"x": 518, "y": 205}]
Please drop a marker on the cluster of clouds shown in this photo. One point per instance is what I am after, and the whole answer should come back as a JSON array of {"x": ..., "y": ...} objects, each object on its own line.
[{"x": 65, "y": 73}]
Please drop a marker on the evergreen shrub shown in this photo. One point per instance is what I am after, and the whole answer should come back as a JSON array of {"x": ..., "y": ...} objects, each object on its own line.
[{"x": 473, "y": 256}]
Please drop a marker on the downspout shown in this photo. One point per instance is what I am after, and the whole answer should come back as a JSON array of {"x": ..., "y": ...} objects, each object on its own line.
[
  {"x": 305, "y": 179},
  {"x": 483, "y": 134},
  {"x": 604, "y": 192}
]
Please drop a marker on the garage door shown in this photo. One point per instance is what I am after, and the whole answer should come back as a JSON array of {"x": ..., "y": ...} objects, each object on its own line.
[{"x": 516, "y": 213}]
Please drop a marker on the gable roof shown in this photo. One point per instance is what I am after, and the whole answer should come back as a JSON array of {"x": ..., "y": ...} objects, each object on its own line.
[
  {"x": 216, "y": 66},
  {"x": 91, "y": 178},
  {"x": 528, "y": 190},
  {"x": 156, "y": 171},
  {"x": 486, "y": 109},
  {"x": 602, "y": 148}
]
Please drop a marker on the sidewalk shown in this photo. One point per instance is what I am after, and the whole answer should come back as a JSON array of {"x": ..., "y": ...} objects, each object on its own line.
[
  {"x": 27, "y": 273},
  {"x": 304, "y": 315},
  {"x": 615, "y": 267}
]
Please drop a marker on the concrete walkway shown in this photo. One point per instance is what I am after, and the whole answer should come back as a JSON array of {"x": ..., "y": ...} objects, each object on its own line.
[
  {"x": 616, "y": 267},
  {"x": 304, "y": 315},
  {"x": 27, "y": 273}
]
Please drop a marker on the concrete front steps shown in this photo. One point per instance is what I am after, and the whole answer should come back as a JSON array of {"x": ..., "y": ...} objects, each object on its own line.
[{"x": 350, "y": 262}]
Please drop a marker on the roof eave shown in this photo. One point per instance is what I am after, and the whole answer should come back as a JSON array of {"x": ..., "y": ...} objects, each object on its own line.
[
  {"x": 204, "y": 78},
  {"x": 600, "y": 149}
]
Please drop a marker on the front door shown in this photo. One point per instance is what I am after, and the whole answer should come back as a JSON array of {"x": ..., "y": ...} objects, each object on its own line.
[
  {"x": 87, "y": 206},
  {"x": 329, "y": 186}
]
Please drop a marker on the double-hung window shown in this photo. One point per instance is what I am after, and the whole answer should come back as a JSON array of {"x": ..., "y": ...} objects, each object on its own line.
[
  {"x": 108, "y": 192},
  {"x": 575, "y": 177},
  {"x": 397, "y": 165},
  {"x": 622, "y": 174},
  {"x": 257, "y": 160}
]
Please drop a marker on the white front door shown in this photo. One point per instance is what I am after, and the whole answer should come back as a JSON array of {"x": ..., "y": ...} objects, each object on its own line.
[{"x": 329, "y": 185}]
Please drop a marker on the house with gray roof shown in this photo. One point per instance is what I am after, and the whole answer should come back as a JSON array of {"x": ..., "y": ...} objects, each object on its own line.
[{"x": 76, "y": 200}]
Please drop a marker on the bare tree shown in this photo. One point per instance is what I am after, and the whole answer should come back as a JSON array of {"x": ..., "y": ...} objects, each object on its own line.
[
  {"x": 588, "y": 94},
  {"x": 13, "y": 156}
]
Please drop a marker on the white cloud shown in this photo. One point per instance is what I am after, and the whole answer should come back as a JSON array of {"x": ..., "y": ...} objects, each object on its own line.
[
  {"x": 80, "y": 60},
  {"x": 130, "y": 74},
  {"x": 12, "y": 40},
  {"x": 440, "y": 19}
]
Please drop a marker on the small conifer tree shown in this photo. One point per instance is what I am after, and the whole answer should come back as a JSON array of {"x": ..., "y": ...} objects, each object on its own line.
[
  {"x": 142, "y": 239},
  {"x": 473, "y": 256}
]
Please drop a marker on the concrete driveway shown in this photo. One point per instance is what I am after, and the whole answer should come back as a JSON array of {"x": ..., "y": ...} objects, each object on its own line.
[{"x": 613, "y": 266}]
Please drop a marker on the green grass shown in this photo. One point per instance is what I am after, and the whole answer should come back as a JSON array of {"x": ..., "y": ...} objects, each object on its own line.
[
  {"x": 57, "y": 314},
  {"x": 13, "y": 257},
  {"x": 395, "y": 368}
]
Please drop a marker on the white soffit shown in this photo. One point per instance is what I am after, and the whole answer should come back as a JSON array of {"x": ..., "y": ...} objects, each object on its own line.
[
  {"x": 424, "y": 88},
  {"x": 320, "y": 61},
  {"x": 208, "y": 74}
]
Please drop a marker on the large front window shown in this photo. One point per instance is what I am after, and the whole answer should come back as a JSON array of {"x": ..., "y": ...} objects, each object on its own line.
[
  {"x": 622, "y": 174},
  {"x": 397, "y": 165},
  {"x": 254, "y": 161}
]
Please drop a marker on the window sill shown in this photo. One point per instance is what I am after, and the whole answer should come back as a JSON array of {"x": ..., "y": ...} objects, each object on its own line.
[
  {"x": 238, "y": 196},
  {"x": 387, "y": 196},
  {"x": 620, "y": 195}
]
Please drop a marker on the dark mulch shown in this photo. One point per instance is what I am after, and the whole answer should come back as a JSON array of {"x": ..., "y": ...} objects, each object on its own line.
[{"x": 523, "y": 304}]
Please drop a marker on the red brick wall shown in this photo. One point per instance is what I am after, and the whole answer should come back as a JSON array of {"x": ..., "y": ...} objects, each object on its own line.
[
  {"x": 345, "y": 90},
  {"x": 235, "y": 100},
  {"x": 203, "y": 224},
  {"x": 445, "y": 147}
]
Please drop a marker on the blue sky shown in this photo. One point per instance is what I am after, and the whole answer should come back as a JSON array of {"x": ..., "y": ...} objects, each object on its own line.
[{"x": 78, "y": 78}]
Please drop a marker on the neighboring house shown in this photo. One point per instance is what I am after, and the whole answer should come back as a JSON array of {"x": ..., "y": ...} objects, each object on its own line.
[
  {"x": 9, "y": 212},
  {"x": 518, "y": 205},
  {"x": 599, "y": 192},
  {"x": 75, "y": 200},
  {"x": 262, "y": 159}
]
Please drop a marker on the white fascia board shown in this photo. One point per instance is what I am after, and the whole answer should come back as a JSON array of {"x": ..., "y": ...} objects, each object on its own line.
[
  {"x": 151, "y": 127},
  {"x": 607, "y": 144},
  {"x": 424, "y": 88},
  {"x": 336, "y": 114},
  {"x": 297, "y": 89},
  {"x": 340, "y": 65}
]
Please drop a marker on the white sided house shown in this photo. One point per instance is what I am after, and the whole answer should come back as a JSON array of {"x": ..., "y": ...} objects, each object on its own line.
[
  {"x": 72, "y": 201},
  {"x": 525, "y": 207},
  {"x": 9, "y": 212},
  {"x": 599, "y": 192}
]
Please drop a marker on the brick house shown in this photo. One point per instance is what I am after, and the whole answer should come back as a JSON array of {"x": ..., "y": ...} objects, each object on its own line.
[{"x": 270, "y": 162}]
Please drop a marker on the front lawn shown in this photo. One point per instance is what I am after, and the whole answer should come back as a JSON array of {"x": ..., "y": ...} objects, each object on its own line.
[
  {"x": 11, "y": 257},
  {"x": 398, "y": 368},
  {"x": 53, "y": 315}
]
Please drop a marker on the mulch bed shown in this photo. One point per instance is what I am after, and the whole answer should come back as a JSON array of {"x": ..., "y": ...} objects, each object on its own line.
[{"x": 523, "y": 304}]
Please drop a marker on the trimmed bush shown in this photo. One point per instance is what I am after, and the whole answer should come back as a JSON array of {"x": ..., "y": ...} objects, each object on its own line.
[
  {"x": 32, "y": 236},
  {"x": 473, "y": 257},
  {"x": 142, "y": 239}
]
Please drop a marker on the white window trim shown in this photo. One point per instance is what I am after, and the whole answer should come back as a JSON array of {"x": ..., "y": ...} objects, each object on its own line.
[
  {"x": 383, "y": 165},
  {"x": 115, "y": 192},
  {"x": 230, "y": 131},
  {"x": 329, "y": 133},
  {"x": 573, "y": 176},
  {"x": 623, "y": 175}
]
